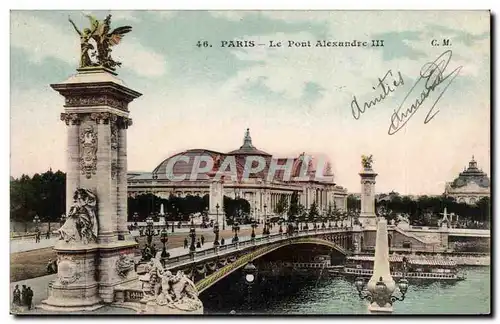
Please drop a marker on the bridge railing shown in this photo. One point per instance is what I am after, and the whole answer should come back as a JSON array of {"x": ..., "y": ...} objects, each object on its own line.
[{"x": 222, "y": 250}]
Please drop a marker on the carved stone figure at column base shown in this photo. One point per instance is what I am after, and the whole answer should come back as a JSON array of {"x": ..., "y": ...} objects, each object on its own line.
[{"x": 165, "y": 293}]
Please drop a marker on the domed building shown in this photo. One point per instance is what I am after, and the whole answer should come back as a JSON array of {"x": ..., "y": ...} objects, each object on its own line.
[
  {"x": 262, "y": 188},
  {"x": 471, "y": 185}
]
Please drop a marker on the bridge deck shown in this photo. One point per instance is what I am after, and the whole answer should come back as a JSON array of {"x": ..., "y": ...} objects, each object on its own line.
[{"x": 181, "y": 257}]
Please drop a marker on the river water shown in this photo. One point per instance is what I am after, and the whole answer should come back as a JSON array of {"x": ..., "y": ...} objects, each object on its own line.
[{"x": 287, "y": 296}]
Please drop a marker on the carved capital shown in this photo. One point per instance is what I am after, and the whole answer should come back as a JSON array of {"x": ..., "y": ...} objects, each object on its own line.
[
  {"x": 103, "y": 117},
  {"x": 73, "y": 118},
  {"x": 123, "y": 122}
]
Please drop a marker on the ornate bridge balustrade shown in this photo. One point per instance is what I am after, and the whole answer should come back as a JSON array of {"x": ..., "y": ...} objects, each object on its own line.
[{"x": 208, "y": 266}]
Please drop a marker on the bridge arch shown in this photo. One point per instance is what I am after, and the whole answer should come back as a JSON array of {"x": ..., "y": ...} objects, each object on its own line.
[{"x": 223, "y": 272}]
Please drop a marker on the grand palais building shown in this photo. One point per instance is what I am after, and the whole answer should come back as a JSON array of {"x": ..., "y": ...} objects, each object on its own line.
[{"x": 262, "y": 194}]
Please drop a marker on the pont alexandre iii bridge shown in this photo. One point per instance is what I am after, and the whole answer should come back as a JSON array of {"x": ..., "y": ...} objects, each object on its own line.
[{"x": 210, "y": 265}]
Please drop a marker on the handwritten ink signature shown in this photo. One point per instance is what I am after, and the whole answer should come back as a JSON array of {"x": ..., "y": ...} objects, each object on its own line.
[
  {"x": 431, "y": 76},
  {"x": 386, "y": 90}
]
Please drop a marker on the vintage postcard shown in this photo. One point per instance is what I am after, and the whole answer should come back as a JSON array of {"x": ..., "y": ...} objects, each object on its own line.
[{"x": 250, "y": 162}]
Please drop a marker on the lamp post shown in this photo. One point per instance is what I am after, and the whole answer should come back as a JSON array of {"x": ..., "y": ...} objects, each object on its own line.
[
  {"x": 192, "y": 235},
  {"x": 250, "y": 273},
  {"x": 149, "y": 230},
  {"x": 254, "y": 225},
  {"x": 281, "y": 228},
  {"x": 36, "y": 220},
  {"x": 216, "y": 226},
  {"x": 135, "y": 217},
  {"x": 164, "y": 239},
  {"x": 266, "y": 222},
  {"x": 381, "y": 285},
  {"x": 236, "y": 229}
]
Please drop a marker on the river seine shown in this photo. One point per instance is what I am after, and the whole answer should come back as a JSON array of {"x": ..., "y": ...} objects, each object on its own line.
[{"x": 295, "y": 296}]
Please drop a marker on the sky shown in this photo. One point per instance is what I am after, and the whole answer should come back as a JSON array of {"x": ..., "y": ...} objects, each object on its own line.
[{"x": 293, "y": 100}]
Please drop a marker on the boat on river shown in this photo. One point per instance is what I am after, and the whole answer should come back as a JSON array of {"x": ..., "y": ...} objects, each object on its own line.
[{"x": 418, "y": 268}]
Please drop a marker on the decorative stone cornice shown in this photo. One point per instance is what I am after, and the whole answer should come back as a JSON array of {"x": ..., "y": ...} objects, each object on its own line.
[
  {"x": 72, "y": 118},
  {"x": 96, "y": 100}
]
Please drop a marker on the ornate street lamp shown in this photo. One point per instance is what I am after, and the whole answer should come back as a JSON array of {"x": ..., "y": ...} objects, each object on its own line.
[
  {"x": 236, "y": 229},
  {"x": 192, "y": 235},
  {"x": 135, "y": 217},
  {"x": 381, "y": 285},
  {"x": 254, "y": 225},
  {"x": 381, "y": 294},
  {"x": 36, "y": 220},
  {"x": 149, "y": 229},
  {"x": 266, "y": 222},
  {"x": 216, "y": 226},
  {"x": 164, "y": 239},
  {"x": 281, "y": 228},
  {"x": 250, "y": 273}
]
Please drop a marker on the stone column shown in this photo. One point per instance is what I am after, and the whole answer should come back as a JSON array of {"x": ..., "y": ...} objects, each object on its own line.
[
  {"x": 119, "y": 137},
  {"x": 72, "y": 157},
  {"x": 216, "y": 198},
  {"x": 367, "y": 215},
  {"x": 303, "y": 197},
  {"x": 88, "y": 256},
  {"x": 104, "y": 183}
]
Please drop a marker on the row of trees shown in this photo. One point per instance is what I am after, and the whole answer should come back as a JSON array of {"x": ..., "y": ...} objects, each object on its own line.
[
  {"x": 427, "y": 210},
  {"x": 180, "y": 208},
  {"x": 43, "y": 195}
]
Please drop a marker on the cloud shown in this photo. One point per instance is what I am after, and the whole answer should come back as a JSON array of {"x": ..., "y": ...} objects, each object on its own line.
[
  {"x": 164, "y": 14},
  {"x": 143, "y": 61},
  {"x": 230, "y": 14},
  {"x": 41, "y": 39},
  {"x": 124, "y": 15}
]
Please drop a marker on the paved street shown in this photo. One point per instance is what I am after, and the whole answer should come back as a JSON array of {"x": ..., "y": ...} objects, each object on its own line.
[{"x": 29, "y": 244}]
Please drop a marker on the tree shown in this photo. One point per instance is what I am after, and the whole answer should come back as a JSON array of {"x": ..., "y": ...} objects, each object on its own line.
[
  {"x": 293, "y": 210},
  {"x": 330, "y": 214},
  {"x": 281, "y": 206},
  {"x": 353, "y": 202},
  {"x": 313, "y": 213},
  {"x": 43, "y": 195},
  {"x": 302, "y": 214}
]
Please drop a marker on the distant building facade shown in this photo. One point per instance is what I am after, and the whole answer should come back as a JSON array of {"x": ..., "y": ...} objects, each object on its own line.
[
  {"x": 471, "y": 185},
  {"x": 262, "y": 194}
]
